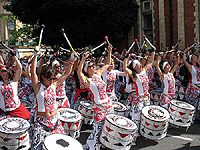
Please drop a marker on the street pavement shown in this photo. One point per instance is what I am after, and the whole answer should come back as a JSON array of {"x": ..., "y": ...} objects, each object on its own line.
[{"x": 176, "y": 139}]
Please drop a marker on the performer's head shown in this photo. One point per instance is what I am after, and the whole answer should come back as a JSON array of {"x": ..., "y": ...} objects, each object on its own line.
[
  {"x": 56, "y": 66},
  {"x": 193, "y": 59},
  {"x": 89, "y": 68},
  {"x": 47, "y": 76},
  {"x": 166, "y": 67},
  {"x": 5, "y": 73}
]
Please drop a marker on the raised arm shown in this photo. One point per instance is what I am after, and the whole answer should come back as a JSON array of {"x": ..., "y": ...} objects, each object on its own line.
[
  {"x": 158, "y": 68},
  {"x": 189, "y": 67},
  {"x": 67, "y": 72},
  {"x": 176, "y": 64},
  {"x": 108, "y": 62},
  {"x": 18, "y": 70},
  {"x": 80, "y": 74},
  {"x": 150, "y": 61}
]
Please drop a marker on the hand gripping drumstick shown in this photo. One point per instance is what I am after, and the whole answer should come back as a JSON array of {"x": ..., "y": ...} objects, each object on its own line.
[
  {"x": 63, "y": 31},
  {"x": 113, "y": 56},
  {"x": 104, "y": 43},
  {"x": 148, "y": 41},
  {"x": 107, "y": 40},
  {"x": 41, "y": 32}
]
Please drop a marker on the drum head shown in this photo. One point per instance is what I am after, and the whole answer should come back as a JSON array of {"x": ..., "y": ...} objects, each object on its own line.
[
  {"x": 155, "y": 113},
  {"x": 118, "y": 106},
  {"x": 86, "y": 104},
  {"x": 14, "y": 125},
  {"x": 61, "y": 142},
  {"x": 121, "y": 122},
  {"x": 182, "y": 104},
  {"x": 69, "y": 115}
]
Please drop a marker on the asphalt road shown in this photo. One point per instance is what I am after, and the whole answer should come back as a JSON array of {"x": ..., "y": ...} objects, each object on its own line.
[{"x": 176, "y": 139}]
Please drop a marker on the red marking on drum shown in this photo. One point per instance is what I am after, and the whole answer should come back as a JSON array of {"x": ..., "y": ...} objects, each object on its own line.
[
  {"x": 123, "y": 135},
  {"x": 81, "y": 107},
  {"x": 164, "y": 125},
  {"x": 86, "y": 110},
  {"x": 147, "y": 123},
  {"x": 22, "y": 138},
  {"x": 156, "y": 126},
  {"x": 172, "y": 109},
  {"x": 181, "y": 113},
  {"x": 142, "y": 119},
  {"x": 69, "y": 125},
  {"x": 133, "y": 134},
  {"x": 109, "y": 129},
  {"x": 77, "y": 124},
  {"x": 191, "y": 114},
  {"x": 6, "y": 139}
]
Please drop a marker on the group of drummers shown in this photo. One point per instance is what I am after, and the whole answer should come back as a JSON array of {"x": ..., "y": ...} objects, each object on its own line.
[{"x": 125, "y": 78}]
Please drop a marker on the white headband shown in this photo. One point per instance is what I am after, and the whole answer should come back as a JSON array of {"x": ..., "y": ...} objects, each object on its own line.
[
  {"x": 164, "y": 64},
  {"x": 190, "y": 58},
  {"x": 134, "y": 63},
  {"x": 54, "y": 63},
  {"x": 86, "y": 66}
]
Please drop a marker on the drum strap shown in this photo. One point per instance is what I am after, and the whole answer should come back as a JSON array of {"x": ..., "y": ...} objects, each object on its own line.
[{"x": 47, "y": 129}]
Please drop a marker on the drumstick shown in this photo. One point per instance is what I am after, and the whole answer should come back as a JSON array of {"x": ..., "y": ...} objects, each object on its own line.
[
  {"x": 6, "y": 47},
  {"x": 107, "y": 40},
  {"x": 64, "y": 49},
  {"x": 177, "y": 43},
  {"x": 130, "y": 47},
  {"x": 136, "y": 40},
  {"x": 41, "y": 32},
  {"x": 104, "y": 43},
  {"x": 148, "y": 41},
  {"x": 63, "y": 31}
]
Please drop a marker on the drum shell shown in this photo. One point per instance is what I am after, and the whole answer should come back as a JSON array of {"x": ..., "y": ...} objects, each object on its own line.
[
  {"x": 180, "y": 116},
  {"x": 14, "y": 138},
  {"x": 120, "y": 109},
  {"x": 86, "y": 111},
  {"x": 73, "y": 125},
  {"x": 115, "y": 137},
  {"x": 151, "y": 128}
]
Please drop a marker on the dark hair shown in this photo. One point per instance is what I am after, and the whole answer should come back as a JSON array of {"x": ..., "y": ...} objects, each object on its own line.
[
  {"x": 47, "y": 72},
  {"x": 191, "y": 59},
  {"x": 133, "y": 72}
]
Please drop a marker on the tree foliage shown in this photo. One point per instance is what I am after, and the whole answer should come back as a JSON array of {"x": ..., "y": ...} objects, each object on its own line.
[{"x": 85, "y": 22}]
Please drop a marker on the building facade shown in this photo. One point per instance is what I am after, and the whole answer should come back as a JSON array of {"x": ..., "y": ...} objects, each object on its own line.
[{"x": 168, "y": 21}]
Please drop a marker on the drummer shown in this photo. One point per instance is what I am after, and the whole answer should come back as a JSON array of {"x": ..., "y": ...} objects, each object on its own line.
[
  {"x": 193, "y": 87},
  {"x": 61, "y": 97},
  {"x": 102, "y": 105},
  {"x": 109, "y": 77},
  {"x": 168, "y": 80},
  {"x": 46, "y": 108},
  {"x": 9, "y": 100},
  {"x": 141, "y": 81}
]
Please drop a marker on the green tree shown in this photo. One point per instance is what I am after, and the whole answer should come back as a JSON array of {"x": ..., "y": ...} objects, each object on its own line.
[{"x": 86, "y": 22}]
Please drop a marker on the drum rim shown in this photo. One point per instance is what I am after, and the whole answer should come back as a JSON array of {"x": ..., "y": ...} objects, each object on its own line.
[
  {"x": 75, "y": 121},
  {"x": 21, "y": 131},
  {"x": 122, "y": 127},
  {"x": 157, "y": 120},
  {"x": 182, "y": 107},
  {"x": 90, "y": 108}
]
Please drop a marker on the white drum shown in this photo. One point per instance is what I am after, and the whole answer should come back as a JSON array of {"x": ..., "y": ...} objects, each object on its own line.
[
  {"x": 71, "y": 121},
  {"x": 117, "y": 132},
  {"x": 181, "y": 92},
  {"x": 14, "y": 134},
  {"x": 119, "y": 108},
  {"x": 154, "y": 122},
  {"x": 61, "y": 142},
  {"x": 155, "y": 97},
  {"x": 181, "y": 113},
  {"x": 85, "y": 108}
]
